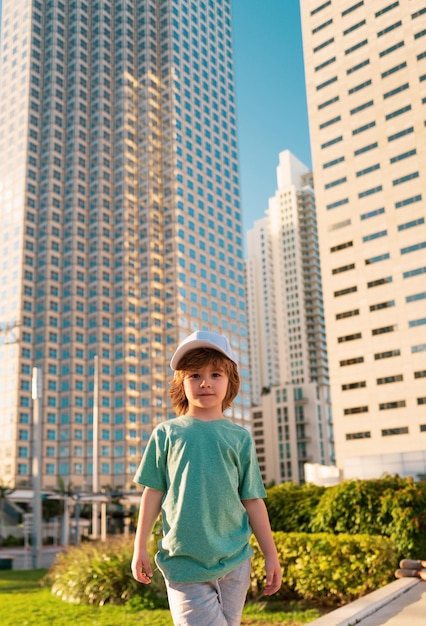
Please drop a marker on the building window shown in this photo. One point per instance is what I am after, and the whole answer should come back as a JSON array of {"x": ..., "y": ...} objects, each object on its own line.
[
  {"x": 358, "y": 45},
  {"x": 378, "y": 258},
  {"x": 401, "y": 133},
  {"x": 381, "y": 233},
  {"x": 352, "y": 8},
  {"x": 419, "y": 348},
  {"x": 361, "y": 435},
  {"x": 416, "y": 297},
  {"x": 370, "y": 192},
  {"x": 344, "y": 292},
  {"x": 404, "y": 179},
  {"x": 342, "y": 246},
  {"x": 353, "y": 361},
  {"x": 379, "y": 281},
  {"x": 343, "y": 268},
  {"x": 387, "y": 355},
  {"x": 321, "y": 26},
  {"x": 321, "y": 7},
  {"x": 369, "y": 214},
  {"x": 411, "y": 224},
  {"x": 400, "y": 111},
  {"x": 400, "y": 44},
  {"x": 384, "y": 329},
  {"x": 390, "y": 379},
  {"x": 356, "y": 409},
  {"x": 388, "y": 29},
  {"x": 394, "y": 69},
  {"x": 419, "y": 322},
  {"x": 357, "y": 385},
  {"x": 413, "y": 248},
  {"x": 408, "y": 201},
  {"x": 345, "y": 314},
  {"x": 388, "y": 432},
  {"x": 352, "y": 337},
  {"x": 393, "y": 92}
]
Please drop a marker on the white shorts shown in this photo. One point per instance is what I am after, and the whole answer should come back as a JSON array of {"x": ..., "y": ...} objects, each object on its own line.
[{"x": 217, "y": 602}]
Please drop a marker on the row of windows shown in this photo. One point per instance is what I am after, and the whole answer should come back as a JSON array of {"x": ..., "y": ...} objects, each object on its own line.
[
  {"x": 381, "y": 281},
  {"x": 64, "y": 469},
  {"x": 385, "y": 381},
  {"x": 357, "y": 5},
  {"x": 376, "y": 166},
  {"x": 385, "y": 432},
  {"x": 393, "y": 137},
  {"x": 382, "y": 329},
  {"x": 364, "y": 127},
  {"x": 382, "y": 355},
  {"x": 383, "y": 305},
  {"x": 383, "y": 406}
]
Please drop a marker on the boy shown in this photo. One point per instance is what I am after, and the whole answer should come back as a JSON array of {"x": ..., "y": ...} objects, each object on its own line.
[{"x": 200, "y": 470}]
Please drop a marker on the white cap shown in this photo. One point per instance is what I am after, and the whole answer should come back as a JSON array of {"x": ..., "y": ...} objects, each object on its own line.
[{"x": 203, "y": 339}]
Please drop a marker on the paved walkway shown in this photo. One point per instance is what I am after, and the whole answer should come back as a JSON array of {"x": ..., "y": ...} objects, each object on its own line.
[
  {"x": 409, "y": 609},
  {"x": 401, "y": 603}
]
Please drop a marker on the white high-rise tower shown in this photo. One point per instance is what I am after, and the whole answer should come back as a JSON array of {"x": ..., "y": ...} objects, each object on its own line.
[
  {"x": 288, "y": 359},
  {"x": 366, "y": 84}
]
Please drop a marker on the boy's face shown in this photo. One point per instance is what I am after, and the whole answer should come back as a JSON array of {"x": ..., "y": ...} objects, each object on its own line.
[{"x": 205, "y": 389}]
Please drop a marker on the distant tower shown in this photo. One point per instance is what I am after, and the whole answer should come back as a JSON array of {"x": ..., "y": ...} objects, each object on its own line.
[
  {"x": 120, "y": 221},
  {"x": 288, "y": 358},
  {"x": 366, "y": 85}
]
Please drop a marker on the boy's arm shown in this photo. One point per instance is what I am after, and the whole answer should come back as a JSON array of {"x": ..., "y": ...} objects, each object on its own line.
[
  {"x": 150, "y": 508},
  {"x": 259, "y": 522}
]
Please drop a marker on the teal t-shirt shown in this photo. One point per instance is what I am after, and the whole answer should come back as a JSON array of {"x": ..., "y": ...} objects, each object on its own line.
[{"x": 205, "y": 469}]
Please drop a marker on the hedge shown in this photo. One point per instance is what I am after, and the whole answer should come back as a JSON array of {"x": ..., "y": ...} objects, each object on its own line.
[
  {"x": 391, "y": 506},
  {"x": 326, "y": 568}
]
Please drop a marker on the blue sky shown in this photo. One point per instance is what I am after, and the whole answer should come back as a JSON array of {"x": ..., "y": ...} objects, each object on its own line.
[{"x": 271, "y": 100}]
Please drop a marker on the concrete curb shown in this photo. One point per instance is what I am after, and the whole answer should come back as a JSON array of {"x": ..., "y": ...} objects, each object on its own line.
[{"x": 358, "y": 610}]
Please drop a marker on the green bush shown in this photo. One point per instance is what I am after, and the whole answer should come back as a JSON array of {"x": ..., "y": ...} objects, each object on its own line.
[
  {"x": 290, "y": 506},
  {"x": 390, "y": 506},
  {"x": 326, "y": 568},
  {"x": 99, "y": 573}
]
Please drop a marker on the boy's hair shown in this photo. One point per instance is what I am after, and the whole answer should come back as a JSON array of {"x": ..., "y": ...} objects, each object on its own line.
[{"x": 197, "y": 358}]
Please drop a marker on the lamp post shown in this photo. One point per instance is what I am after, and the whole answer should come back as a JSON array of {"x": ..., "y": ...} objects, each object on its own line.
[
  {"x": 95, "y": 468},
  {"x": 36, "y": 466}
]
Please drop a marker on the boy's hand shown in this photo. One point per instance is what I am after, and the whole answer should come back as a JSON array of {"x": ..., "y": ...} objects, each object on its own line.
[
  {"x": 273, "y": 576},
  {"x": 141, "y": 567}
]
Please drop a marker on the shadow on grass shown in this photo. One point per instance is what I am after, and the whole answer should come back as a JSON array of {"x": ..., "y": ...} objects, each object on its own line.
[{"x": 21, "y": 581}]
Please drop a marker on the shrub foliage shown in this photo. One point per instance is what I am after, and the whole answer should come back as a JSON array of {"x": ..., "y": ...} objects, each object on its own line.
[
  {"x": 335, "y": 544},
  {"x": 99, "y": 573},
  {"x": 326, "y": 568},
  {"x": 290, "y": 506}
]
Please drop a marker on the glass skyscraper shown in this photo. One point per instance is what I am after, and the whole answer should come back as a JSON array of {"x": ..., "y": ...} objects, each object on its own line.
[{"x": 120, "y": 222}]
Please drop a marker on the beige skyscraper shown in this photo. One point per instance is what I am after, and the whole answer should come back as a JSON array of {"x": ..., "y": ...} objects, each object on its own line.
[
  {"x": 365, "y": 65},
  {"x": 292, "y": 421},
  {"x": 120, "y": 223}
]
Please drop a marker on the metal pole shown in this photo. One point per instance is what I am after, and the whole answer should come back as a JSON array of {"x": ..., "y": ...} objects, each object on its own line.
[
  {"x": 103, "y": 521},
  {"x": 77, "y": 521},
  {"x": 95, "y": 469},
  {"x": 36, "y": 467}
]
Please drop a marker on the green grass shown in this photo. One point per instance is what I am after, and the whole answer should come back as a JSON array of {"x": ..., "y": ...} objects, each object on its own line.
[{"x": 23, "y": 602}]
